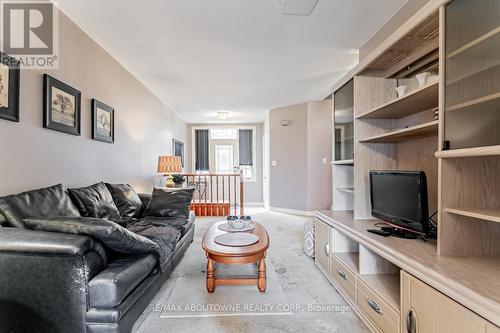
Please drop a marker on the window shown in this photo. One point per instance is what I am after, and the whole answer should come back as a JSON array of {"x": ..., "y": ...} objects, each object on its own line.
[
  {"x": 201, "y": 150},
  {"x": 223, "y": 134},
  {"x": 225, "y": 150},
  {"x": 245, "y": 139},
  {"x": 224, "y": 159}
]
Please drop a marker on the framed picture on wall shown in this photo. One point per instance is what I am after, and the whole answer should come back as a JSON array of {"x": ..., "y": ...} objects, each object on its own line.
[
  {"x": 178, "y": 149},
  {"x": 103, "y": 122},
  {"x": 9, "y": 88},
  {"x": 61, "y": 106}
]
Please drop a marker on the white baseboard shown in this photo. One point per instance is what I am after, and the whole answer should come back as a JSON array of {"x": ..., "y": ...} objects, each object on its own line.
[
  {"x": 292, "y": 211},
  {"x": 253, "y": 204}
]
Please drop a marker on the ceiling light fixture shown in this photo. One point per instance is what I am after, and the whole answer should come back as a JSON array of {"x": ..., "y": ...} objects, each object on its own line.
[{"x": 222, "y": 115}]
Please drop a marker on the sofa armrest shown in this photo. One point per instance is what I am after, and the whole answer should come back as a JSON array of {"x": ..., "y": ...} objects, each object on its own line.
[{"x": 30, "y": 241}]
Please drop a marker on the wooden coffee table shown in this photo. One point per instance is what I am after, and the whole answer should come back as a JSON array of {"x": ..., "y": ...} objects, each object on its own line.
[{"x": 229, "y": 255}]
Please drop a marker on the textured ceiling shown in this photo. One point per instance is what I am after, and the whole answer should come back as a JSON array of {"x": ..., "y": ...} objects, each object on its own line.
[{"x": 242, "y": 56}]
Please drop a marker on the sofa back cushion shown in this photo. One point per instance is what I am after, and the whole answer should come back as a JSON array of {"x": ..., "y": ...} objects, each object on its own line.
[
  {"x": 169, "y": 202},
  {"x": 44, "y": 202},
  {"x": 126, "y": 200},
  {"x": 95, "y": 201}
]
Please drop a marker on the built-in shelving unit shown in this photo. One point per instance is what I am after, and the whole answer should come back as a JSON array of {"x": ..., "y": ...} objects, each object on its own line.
[
  {"x": 413, "y": 102},
  {"x": 417, "y": 131},
  {"x": 343, "y": 162},
  {"x": 483, "y": 45},
  {"x": 469, "y": 152},
  {"x": 487, "y": 214},
  {"x": 350, "y": 259},
  {"x": 469, "y": 216},
  {"x": 386, "y": 285},
  {"x": 347, "y": 189}
]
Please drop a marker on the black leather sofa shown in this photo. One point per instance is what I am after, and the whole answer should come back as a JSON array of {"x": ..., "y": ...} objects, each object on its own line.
[{"x": 57, "y": 282}]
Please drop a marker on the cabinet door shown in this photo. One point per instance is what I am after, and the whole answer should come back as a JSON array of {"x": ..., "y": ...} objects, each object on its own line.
[
  {"x": 425, "y": 310},
  {"x": 322, "y": 244},
  {"x": 472, "y": 73}
]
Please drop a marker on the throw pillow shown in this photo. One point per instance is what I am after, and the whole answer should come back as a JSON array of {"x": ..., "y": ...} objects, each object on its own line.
[
  {"x": 44, "y": 202},
  {"x": 126, "y": 200},
  {"x": 170, "y": 202},
  {"x": 95, "y": 201}
]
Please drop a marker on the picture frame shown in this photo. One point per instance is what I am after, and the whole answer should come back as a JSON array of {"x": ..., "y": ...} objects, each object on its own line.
[
  {"x": 9, "y": 87},
  {"x": 61, "y": 106},
  {"x": 178, "y": 149},
  {"x": 103, "y": 122}
]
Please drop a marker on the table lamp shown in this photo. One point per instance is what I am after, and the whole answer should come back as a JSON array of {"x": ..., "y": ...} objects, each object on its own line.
[{"x": 169, "y": 165}]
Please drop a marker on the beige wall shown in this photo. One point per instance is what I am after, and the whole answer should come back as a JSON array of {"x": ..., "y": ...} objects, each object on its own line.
[
  {"x": 253, "y": 191},
  {"x": 32, "y": 156},
  {"x": 288, "y": 147},
  {"x": 300, "y": 181},
  {"x": 406, "y": 11}
]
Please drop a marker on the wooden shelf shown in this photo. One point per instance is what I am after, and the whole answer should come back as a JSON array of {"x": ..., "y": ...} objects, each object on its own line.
[
  {"x": 350, "y": 259},
  {"x": 488, "y": 214},
  {"x": 469, "y": 152},
  {"x": 482, "y": 100},
  {"x": 343, "y": 162},
  {"x": 346, "y": 189},
  {"x": 488, "y": 40},
  {"x": 420, "y": 99},
  {"x": 418, "y": 131},
  {"x": 386, "y": 285}
]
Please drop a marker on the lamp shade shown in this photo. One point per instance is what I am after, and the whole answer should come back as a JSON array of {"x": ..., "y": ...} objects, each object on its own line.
[{"x": 169, "y": 164}]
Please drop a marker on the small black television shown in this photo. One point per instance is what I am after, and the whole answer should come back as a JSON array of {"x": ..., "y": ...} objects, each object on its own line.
[{"x": 400, "y": 199}]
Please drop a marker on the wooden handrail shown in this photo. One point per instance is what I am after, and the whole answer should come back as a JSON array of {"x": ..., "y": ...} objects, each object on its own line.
[{"x": 208, "y": 202}]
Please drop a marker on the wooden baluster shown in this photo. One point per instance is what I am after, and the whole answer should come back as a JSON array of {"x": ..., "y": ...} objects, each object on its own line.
[
  {"x": 205, "y": 194},
  {"x": 229, "y": 192},
  {"x": 199, "y": 195},
  {"x": 217, "y": 191},
  {"x": 223, "y": 196},
  {"x": 242, "y": 210},
  {"x": 211, "y": 197},
  {"x": 235, "y": 199}
]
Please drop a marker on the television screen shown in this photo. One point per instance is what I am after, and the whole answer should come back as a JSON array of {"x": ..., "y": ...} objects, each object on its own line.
[{"x": 400, "y": 198}]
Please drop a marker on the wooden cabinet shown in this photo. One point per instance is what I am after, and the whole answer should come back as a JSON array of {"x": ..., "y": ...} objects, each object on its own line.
[
  {"x": 322, "y": 247},
  {"x": 425, "y": 310},
  {"x": 490, "y": 328}
]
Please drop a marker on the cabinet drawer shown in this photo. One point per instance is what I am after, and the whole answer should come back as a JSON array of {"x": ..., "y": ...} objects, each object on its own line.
[
  {"x": 385, "y": 317},
  {"x": 344, "y": 276}
]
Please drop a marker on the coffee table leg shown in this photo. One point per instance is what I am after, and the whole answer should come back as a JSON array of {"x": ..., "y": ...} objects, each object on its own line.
[
  {"x": 210, "y": 275},
  {"x": 262, "y": 279}
]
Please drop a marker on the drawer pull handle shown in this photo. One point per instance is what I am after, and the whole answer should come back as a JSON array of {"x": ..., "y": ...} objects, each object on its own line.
[
  {"x": 411, "y": 322},
  {"x": 327, "y": 249},
  {"x": 374, "y": 306},
  {"x": 341, "y": 274}
]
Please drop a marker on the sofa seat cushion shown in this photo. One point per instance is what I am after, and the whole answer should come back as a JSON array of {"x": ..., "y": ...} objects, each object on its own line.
[
  {"x": 111, "y": 286},
  {"x": 95, "y": 201},
  {"x": 126, "y": 199},
  {"x": 45, "y": 202}
]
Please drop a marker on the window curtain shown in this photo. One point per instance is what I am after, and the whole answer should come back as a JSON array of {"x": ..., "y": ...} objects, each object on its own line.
[
  {"x": 246, "y": 146},
  {"x": 201, "y": 153}
]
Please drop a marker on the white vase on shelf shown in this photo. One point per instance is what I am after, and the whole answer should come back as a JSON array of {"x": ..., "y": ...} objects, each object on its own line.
[
  {"x": 422, "y": 78},
  {"x": 401, "y": 90}
]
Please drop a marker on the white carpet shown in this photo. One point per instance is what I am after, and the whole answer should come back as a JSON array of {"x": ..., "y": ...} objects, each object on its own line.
[{"x": 298, "y": 297}]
